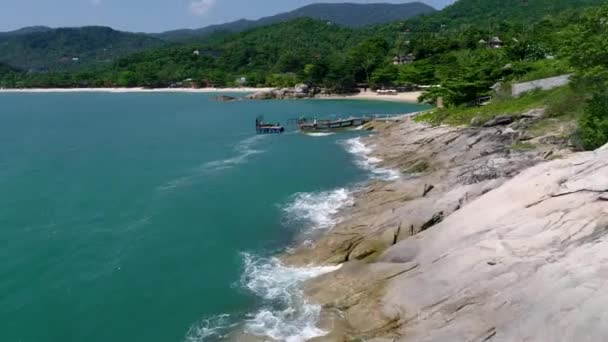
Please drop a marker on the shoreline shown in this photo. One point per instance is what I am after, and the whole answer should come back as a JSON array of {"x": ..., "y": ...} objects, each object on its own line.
[
  {"x": 442, "y": 169},
  {"x": 408, "y": 97},
  {"x": 325, "y": 210}
]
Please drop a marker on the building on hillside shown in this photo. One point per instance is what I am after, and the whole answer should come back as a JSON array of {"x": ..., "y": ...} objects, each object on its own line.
[
  {"x": 403, "y": 59},
  {"x": 196, "y": 53},
  {"x": 495, "y": 43},
  {"x": 241, "y": 81}
]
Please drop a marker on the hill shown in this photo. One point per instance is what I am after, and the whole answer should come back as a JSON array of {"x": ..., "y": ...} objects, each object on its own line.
[
  {"x": 40, "y": 48},
  {"x": 25, "y": 30},
  {"x": 489, "y": 13},
  {"x": 343, "y": 14},
  {"x": 260, "y": 54}
]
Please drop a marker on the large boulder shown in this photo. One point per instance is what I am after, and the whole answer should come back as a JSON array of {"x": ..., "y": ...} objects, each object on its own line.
[
  {"x": 225, "y": 98},
  {"x": 263, "y": 95},
  {"x": 301, "y": 89}
]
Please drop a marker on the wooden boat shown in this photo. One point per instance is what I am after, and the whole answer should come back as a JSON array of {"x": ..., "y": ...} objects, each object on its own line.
[{"x": 262, "y": 127}]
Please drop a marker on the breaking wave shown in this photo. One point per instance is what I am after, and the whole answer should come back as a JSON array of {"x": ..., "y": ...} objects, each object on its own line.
[
  {"x": 318, "y": 210},
  {"x": 319, "y": 134},
  {"x": 212, "y": 329},
  {"x": 289, "y": 316},
  {"x": 367, "y": 162}
]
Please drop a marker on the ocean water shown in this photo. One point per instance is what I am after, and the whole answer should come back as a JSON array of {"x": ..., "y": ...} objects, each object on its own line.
[{"x": 154, "y": 217}]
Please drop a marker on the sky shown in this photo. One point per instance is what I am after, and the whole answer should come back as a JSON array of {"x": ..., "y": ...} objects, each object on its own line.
[{"x": 148, "y": 15}]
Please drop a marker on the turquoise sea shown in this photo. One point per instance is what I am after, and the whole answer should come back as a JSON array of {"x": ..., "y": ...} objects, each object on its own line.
[{"x": 153, "y": 217}]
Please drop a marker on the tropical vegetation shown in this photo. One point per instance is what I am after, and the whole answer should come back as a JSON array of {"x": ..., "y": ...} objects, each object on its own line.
[{"x": 461, "y": 54}]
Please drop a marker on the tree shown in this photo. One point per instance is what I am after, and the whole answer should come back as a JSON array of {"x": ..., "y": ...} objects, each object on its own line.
[
  {"x": 384, "y": 76},
  {"x": 593, "y": 124},
  {"x": 586, "y": 46},
  {"x": 368, "y": 55}
]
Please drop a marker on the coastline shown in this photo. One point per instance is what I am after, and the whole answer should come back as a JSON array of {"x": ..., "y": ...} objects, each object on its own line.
[
  {"x": 408, "y": 97},
  {"x": 441, "y": 170}
]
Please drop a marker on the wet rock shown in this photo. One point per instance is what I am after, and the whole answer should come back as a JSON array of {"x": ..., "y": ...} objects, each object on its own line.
[
  {"x": 263, "y": 95},
  {"x": 225, "y": 98}
]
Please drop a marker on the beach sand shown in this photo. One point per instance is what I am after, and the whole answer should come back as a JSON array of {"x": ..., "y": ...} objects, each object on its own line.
[{"x": 410, "y": 97}]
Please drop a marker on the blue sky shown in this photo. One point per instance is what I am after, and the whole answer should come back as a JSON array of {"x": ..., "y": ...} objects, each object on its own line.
[{"x": 146, "y": 15}]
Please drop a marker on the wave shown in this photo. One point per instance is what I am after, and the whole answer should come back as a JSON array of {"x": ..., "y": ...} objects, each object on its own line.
[
  {"x": 290, "y": 316},
  {"x": 243, "y": 149},
  {"x": 211, "y": 329},
  {"x": 367, "y": 162},
  {"x": 319, "y": 134},
  {"x": 318, "y": 210}
]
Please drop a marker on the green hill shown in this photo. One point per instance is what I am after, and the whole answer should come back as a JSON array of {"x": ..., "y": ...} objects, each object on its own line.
[
  {"x": 444, "y": 46},
  {"x": 69, "y": 48},
  {"x": 259, "y": 54},
  {"x": 343, "y": 14},
  {"x": 492, "y": 12}
]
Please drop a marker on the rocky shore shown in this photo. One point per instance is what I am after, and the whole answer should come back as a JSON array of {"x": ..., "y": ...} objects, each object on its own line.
[
  {"x": 477, "y": 241},
  {"x": 300, "y": 91}
]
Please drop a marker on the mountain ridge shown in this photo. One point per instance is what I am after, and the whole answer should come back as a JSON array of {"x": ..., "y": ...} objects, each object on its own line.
[
  {"x": 41, "y": 48},
  {"x": 347, "y": 14}
]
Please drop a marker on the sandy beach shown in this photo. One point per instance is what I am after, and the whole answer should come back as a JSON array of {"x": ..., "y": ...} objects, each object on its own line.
[
  {"x": 409, "y": 97},
  {"x": 135, "y": 90}
]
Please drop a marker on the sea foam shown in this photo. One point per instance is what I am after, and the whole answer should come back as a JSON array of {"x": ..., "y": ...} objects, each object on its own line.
[
  {"x": 318, "y": 209},
  {"x": 320, "y": 134},
  {"x": 289, "y": 316},
  {"x": 243, "y": 151},
  {"x": 367, "y": 162},
  {"x": 211, "y": 329}
]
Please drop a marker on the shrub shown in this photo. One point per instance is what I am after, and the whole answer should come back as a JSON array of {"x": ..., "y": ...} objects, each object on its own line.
[{"x": 593, "y": 124}]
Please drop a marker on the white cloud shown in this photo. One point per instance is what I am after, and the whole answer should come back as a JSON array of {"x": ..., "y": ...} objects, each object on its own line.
[
  {"x": 96, "y": 2},
  {"x": 201, "y": 7}
]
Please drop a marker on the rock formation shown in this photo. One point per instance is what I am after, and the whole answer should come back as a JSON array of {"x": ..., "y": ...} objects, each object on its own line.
[
  {"x": 300, "y": 91},
  {"x": 476, "y": 242}
]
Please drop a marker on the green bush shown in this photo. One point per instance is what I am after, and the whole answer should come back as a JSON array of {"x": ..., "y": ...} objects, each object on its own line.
[{"x": 593, "y": 124}]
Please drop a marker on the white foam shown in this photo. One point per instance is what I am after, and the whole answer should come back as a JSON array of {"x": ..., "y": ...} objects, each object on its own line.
[
  {"x": 243, "y": 149},
  {"x": 318, "y": 209},
  {"x": 320, "y": 134},
  {"x": 290, "y": 317},
  {"x": 213, "y": 328},
  {"x": 367, "y": 162}
]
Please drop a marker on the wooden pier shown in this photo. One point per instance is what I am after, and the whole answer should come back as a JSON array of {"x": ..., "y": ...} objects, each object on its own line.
[{"x": 326, "y": 125}]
